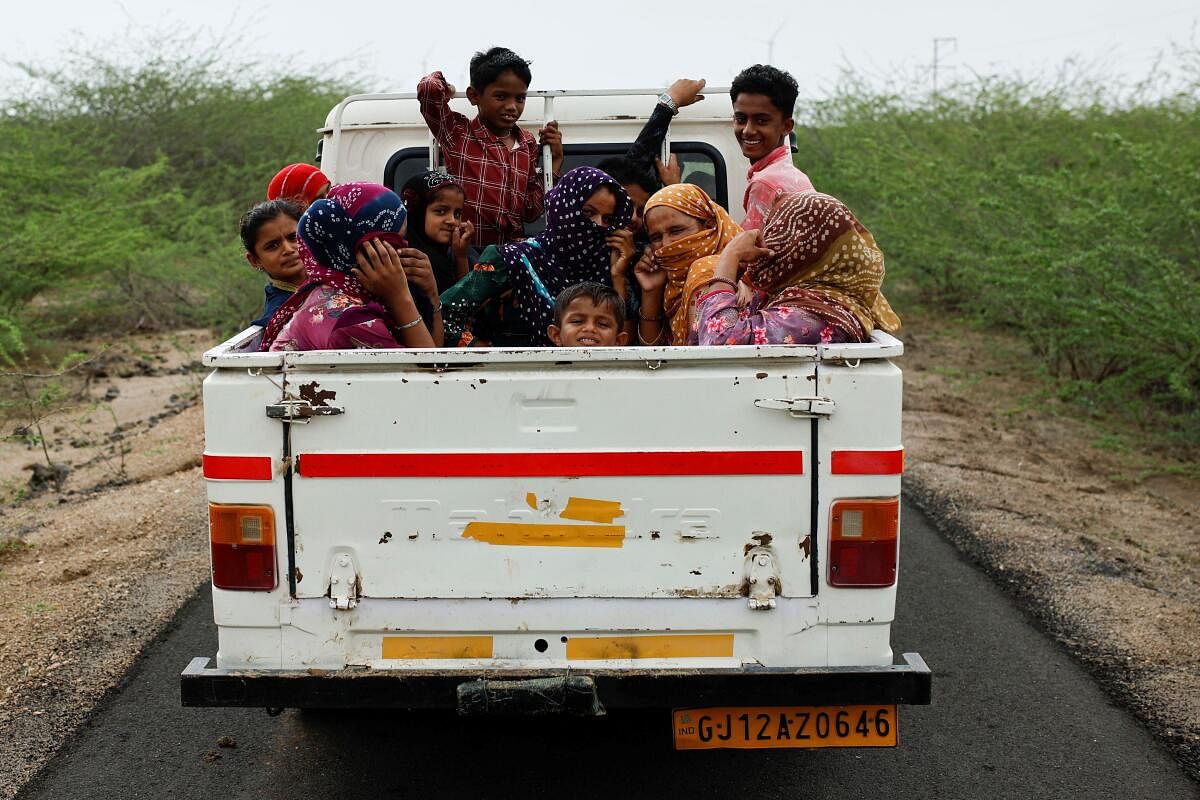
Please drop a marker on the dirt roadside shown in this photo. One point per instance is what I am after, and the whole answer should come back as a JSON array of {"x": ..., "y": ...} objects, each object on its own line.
[{"x": 1100, "y": 544}]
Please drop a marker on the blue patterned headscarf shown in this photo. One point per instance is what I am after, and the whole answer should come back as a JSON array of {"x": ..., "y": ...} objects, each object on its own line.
[
  {"x": 572, "y": 249},
  {"x": 334, "y": 227},
  {"x": 330, "y": 230}
]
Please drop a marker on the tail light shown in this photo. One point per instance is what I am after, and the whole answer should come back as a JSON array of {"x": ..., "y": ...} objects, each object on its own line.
[
  {"x": 243, "y": 546},
  {"x": 862, "y": 542}
]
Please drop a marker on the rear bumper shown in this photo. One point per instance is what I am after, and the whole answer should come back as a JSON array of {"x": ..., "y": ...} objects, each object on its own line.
[{"x": 468, "y": 691}]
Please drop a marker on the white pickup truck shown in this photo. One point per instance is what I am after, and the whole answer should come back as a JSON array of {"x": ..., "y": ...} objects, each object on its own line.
[{"x": 711, "y": 530}]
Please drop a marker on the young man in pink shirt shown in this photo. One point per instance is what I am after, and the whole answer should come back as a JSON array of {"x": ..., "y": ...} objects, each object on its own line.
[{"x": 763, "y": 101}]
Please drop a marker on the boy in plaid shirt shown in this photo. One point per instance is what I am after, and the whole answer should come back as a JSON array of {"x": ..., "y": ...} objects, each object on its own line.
[{"x": 494, "y": 160}]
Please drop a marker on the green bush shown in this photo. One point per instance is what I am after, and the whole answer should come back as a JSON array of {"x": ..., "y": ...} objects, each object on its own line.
[
  {"x": 1073, "y": 221},
  {"x": 123, "y": 185}
]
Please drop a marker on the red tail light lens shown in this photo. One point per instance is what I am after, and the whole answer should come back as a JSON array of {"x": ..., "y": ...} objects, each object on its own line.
[
  {"x": 862, "y": 542},
  {"x": 243, "y": 546}
]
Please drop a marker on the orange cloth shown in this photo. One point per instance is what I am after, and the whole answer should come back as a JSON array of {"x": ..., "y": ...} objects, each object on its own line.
[{"x": 678, "y": 257}]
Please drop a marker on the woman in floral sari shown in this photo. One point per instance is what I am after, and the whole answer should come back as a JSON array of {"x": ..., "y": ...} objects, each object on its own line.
[
  {"x": 817, "y": 273},
  {"x": 359, "y": 292}
]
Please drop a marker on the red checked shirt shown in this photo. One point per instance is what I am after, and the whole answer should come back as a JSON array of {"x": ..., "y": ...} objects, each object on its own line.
[{"x": 503, "y": 187}]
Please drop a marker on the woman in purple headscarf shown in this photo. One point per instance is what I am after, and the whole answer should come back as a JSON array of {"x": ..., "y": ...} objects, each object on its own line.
[
  {"x": 507, "y": 299},
  {"x": 359, "y": 292}
]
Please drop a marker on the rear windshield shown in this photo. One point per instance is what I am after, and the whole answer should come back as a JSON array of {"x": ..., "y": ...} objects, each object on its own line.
[{"x": 699, "y": 163}]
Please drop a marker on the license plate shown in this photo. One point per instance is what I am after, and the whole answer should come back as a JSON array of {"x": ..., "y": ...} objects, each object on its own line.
[{"x": 763, "y": 727}]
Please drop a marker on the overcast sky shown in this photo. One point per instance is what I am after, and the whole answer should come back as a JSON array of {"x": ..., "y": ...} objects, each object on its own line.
[{"x": 620, "y": 43}]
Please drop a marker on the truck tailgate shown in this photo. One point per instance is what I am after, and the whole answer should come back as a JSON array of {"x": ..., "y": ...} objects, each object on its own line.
[{"x": 520, "y": 479}]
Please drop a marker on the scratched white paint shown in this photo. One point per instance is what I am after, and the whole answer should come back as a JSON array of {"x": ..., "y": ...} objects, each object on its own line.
[{"x": 426, "y": 579}]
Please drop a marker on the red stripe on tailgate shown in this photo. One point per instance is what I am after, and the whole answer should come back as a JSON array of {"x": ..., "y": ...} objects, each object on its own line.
[
  {"x": 237, "y": 468},
  {"x": 867, "y": 462},
  {"x": 549, "y": 465}
]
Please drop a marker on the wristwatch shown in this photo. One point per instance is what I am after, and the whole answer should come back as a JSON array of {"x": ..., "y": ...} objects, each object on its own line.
[{"x": 668, "y": 101}]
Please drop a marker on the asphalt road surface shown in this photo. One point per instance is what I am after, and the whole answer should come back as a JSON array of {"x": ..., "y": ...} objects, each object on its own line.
[{"x": 1012, "y": 717}]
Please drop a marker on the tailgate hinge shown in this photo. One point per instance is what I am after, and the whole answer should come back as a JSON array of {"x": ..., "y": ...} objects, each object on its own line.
[
  {"x": 301, "y": 411},
  {"x": 804, "y": 407},
  {"x": 762, "y": 578},
  {"x": 344, "y": 581}
]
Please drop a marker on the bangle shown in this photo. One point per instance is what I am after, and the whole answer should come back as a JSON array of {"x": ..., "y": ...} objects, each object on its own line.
[
  {"x": 644, "y": 318},
  {"x": 408, "y": 325},
  {"x": 732, "y": 285},
  {"x": 436, "y": 310}
]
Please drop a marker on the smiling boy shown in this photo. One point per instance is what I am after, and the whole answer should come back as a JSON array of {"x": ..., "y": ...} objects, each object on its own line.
[
  {"x": 491, "y": 157},
  {"x": 588, "y": 315},
  {"x": 763, "y": 101}
]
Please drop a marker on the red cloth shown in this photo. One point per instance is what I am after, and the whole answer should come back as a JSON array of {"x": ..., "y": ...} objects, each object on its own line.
[
  {"x": 301, "y": 182},
  {"x": 502, "y": 186}
]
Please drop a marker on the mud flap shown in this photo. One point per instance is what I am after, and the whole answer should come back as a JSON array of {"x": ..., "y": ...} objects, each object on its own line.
[{"x": 567, "y": 695}]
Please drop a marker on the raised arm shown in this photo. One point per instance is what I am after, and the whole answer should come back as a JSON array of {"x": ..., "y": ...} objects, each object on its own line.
[
  {"x": 648, "y": 145},
  {"x": 434, "y": 95}
]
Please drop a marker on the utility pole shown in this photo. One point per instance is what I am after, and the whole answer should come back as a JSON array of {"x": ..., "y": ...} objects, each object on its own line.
[
  {"x": 938, "y": 41},
  {"x": 771, "y": 43}
]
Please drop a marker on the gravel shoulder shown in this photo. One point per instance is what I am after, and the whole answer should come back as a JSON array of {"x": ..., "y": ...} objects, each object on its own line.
[
  {"x": 1101, "y": 545},
  {"x": 1100, "y": 542}
]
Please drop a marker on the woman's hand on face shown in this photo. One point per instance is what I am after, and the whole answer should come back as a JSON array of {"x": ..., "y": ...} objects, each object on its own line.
[
  {"x": 748, "y": 248},
  {"x": 460, "y": 240},
  {"x": 743, "y": 250},
  {"x": 380, "y": 271},
  {"x": 621, "y": 251},
  {"x": 650, "y": 276},
  {"x": 419, "y": 271}
]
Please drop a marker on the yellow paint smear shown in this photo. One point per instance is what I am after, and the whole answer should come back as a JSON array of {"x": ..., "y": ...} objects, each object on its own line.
[
  {"x": 603, "y": 648},
  {"x": 586, "y": 510},
  {"x": 437, "y": 647},
  {"x": 540, "y": 534},
  {"x": 531, "y": 500}
]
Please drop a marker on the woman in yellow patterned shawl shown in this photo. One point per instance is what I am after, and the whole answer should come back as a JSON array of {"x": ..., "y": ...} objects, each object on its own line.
[
  {"x": 817, "y": 272},
  {"x": 684, "y": 225}
]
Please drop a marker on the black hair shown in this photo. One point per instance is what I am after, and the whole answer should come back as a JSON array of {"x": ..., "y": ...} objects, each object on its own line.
[
  {"x": 598, "y": 293},
  {"x": 488, "y": 66},
  {"x": 625, "y": 171},
  {"x": 253, "y": 220},
  {"x": 776, "y": 84}
]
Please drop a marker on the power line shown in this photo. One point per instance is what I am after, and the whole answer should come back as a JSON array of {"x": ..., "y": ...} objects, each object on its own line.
[{"x": 938, "y": 41}]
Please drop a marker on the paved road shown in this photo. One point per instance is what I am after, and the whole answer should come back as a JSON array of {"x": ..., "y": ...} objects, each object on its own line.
[{"x": 1013, "y": 717}]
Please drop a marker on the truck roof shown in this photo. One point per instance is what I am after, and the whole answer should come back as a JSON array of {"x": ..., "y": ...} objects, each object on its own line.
[{"x": 583, "y": 105}]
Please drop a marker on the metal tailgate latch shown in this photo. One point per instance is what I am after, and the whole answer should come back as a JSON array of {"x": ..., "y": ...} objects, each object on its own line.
[
  {"x": 301, "y": 411},
  {"x": 762, "y": 578},
  {"x": 343, "y": 581},
  {"x": 805, "y": 407}
]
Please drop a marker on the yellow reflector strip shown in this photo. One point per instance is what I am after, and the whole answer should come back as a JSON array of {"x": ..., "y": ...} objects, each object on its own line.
[
  {"x": 602, "y": 648},
  {"x": 587, "y": 510},
  {"x": 437, "y": 647},
  {"x": 535, "y": 534}
]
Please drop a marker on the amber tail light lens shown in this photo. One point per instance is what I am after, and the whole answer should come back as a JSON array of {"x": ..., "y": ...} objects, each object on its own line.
[
  {"x": 243, "y": 546},
  {"x": 863, "y": 534}
]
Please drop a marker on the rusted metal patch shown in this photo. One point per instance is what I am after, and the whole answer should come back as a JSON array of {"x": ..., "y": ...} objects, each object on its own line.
[{"x": 314, "y": 394}]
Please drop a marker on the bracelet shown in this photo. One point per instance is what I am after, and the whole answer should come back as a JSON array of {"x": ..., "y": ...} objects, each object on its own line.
[
  {"x": 732, "y": 285},
  {"x": 408, "y": 325},
  {"x": 643, "y": 318},
  {"x": 436, "y": 310}
]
